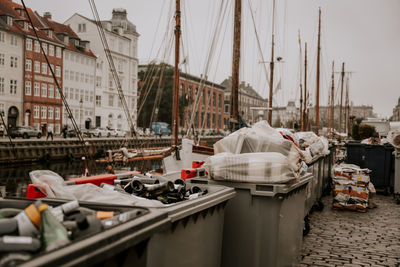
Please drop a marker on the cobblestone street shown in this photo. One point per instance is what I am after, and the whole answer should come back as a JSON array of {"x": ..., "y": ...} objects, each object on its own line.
[{"x": 346, "y": 238}]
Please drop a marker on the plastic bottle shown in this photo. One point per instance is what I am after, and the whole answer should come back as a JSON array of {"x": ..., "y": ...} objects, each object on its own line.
[
  {"x": 53, "y": 233},
  {"x": 29, "y": 220}
]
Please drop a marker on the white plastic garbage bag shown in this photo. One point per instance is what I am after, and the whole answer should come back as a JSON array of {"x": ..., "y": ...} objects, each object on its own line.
[
  {"x": 55, "y": 188},
  {"x": 315, "y": 143},
  {"x": 267, "y": 167}
]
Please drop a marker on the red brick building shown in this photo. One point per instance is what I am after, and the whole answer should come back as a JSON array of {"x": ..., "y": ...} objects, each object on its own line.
[
  {"x": 209, "y": 112},
  {"x": 42, "y": 104}
]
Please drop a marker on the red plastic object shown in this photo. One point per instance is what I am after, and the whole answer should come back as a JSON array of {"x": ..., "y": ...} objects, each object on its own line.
[
  {"x": 95, "y": 179},
  {"x": 35, "y": 191},
  {"x": 197, "y": 164},
  {"x": 188, "y": 173}
]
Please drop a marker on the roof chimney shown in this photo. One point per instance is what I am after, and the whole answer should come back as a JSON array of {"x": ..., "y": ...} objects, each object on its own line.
[
  {"x": 119, "y": 13},
  {"x": 47, "y": 15}
]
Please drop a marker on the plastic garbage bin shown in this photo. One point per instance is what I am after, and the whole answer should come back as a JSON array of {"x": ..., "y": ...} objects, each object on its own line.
[
  {"x": 378, "y": 158},
  {"x": 313, "y": 187},
  {"x": 263, "y": 223},
  {"x": 195, "y": 236},
  {"x": 122, "y": 245},
  {"x": 355, "y": 153},
  {"x": 397, "y": 177}
]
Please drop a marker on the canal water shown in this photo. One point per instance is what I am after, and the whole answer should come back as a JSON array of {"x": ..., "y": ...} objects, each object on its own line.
[{"x": 15, "y": 178}]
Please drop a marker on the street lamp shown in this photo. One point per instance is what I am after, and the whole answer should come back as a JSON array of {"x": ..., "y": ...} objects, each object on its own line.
[{"x": 80, "y": 117}]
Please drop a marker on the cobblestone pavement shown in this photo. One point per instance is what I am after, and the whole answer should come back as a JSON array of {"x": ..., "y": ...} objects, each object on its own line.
[{"x": 346, "y": 238}]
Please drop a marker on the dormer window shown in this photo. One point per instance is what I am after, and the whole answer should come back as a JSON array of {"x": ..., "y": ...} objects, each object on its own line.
[
  {"x": 25, "y": 26},
  {"x": 50, "y": 33},
  {"x": 9, "y": 21},
  {"x": 76, "y": 42},
  {"x": 22, "y": 13}
]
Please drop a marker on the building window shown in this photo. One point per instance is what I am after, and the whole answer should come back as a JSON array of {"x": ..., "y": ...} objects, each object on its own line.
[
  {"x": 44, "y": 48},
  {"x": 110, "y": 100},
  {"x": 76, "y": 94},
  {"x": 28, "y": 88},
  {"x": 58, "y": 96},
  {"x": 72, "y": 76},
  {"x": 2, "y": 37},
  {"x": 50, "y": 113},
  {"x": 51, "y": 91},
  {"x": 77, "y": 76},
  {"x": 86, "y": 78},
  {"x": 220, "y": 100},
  {"x": 71, "y": 93},
  {"x": 91, "y": 97},
  {"x": 44, "y": 112},
  {"x": 13, "y": 87},
  {"x": 51, "y": 50},
  {"x": 9, "y": 21},
  {"x": 58, "y": 71},
  {"x": 28, "y": 65},
  {"x": 36, "y": 112},
  {"x": 28, "y": 44},
  {"x": 98, "y": 100},
  {"x": 86, "y": 96},
  {"x": 44, "y": 68},
  {"x": 57, "y": 114},
  {"x": 13, "y": 62},
  {"x": 52, "y": 67},
  {"x": 82, "y": 77},
  {"x": 36, "y": 47},
  {"x": 1, "y": 85},
  {"x": 14, "y": 40},
  {"x": 81, "y": 27},
  {"x": 36, "y": 67},
  {"x": 66, "y": 75},
  {"x": 98, "y": 81},
  {"x": 1, "y": 59},
  {"x": 44, "y": 90},
  {"x": 36, "y": 89},
  {"x": 58, "y": 52},
  {"x": 1, "y": 107},
  {"x": 214, "y": 100}
]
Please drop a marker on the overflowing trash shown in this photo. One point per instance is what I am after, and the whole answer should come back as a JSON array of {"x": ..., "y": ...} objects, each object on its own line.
[
  {"x": 133, "y": 189},
  {"x": 39, "y": 228},
  {"x": 352, "y": 188},
  {"x": 316, "y": 144}
]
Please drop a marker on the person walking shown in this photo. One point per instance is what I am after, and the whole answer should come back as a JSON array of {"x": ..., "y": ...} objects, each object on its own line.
[
  {"x": 49, "y": 132},
  {"x": 64, "y": 131}
]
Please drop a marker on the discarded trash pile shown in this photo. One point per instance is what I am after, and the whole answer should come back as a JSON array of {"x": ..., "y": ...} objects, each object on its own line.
[
  {"x": 315, "y": 144},
  {"x": 129, "y": 188},
  {"x": 42, "y": 228},
  {"x": 124, "y": 154},
  {"x": 259, "y": 154},
  {"x": 351, "y": 187}
]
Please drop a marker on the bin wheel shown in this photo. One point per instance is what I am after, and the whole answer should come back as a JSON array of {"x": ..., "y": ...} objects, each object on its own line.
[{"x": 306, "y": 228}]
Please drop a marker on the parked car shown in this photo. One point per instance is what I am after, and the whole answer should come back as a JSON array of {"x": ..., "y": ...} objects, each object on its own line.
[
  {"x": 160, "y": 128},
  {"x": 99, "y": 132},
  {"x": 24, "y": 132},
  {"x": 72, "y": 133},
  {"x": 117, "y": 132}
]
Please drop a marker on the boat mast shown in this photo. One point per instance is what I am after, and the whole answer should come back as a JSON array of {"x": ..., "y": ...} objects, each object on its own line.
[
  {"x": 305, "y": 121},
  {"x": 301, "y": 87},
  {"x": 271, "y": 66},
  {"x": 235, "y": 65},
  {"x": 318, "y": 73},
  {"x": 176, "y": 72},
  {"x": 332, "y": 107},
  {"x": 347, "y": 106},
  {"x": 341, "y": 100}
]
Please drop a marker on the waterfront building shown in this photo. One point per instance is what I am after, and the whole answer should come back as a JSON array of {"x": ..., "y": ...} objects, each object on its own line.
[
  {"x": 252, "y": 107},
  {"x": 79, "y": 71},
  {"x": 396, "y": 112},
  {"x": 122, "y": 39},
  {"x": 42, "y": 105},
  {"x": 11, "y": 71}
]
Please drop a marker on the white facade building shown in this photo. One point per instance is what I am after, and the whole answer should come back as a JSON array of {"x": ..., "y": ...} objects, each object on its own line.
[
  {"x": 11, "y": 76},
  {"x": 79, "y": 71},
  {"x": 122, "y": 39}
]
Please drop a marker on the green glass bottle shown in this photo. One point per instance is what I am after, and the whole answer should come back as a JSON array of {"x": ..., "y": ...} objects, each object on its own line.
[{"x": 53, "y": 233}]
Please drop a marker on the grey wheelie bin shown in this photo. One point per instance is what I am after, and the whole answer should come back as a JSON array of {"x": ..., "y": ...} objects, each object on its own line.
[
  {"x": 195, "y": 235},
  {"x": 123, "y": 245},
  {"x": 263, "y": 223},
  {"x": 313, "y": 187},
  {"x": 397, "y": 176}
]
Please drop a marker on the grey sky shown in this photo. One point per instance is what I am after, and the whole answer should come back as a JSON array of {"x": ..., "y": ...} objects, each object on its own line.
[{"x": 363, "y": 33}]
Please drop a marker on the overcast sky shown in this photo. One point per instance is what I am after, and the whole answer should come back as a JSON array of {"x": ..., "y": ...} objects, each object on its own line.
[{"x": 365, "y": 34}]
